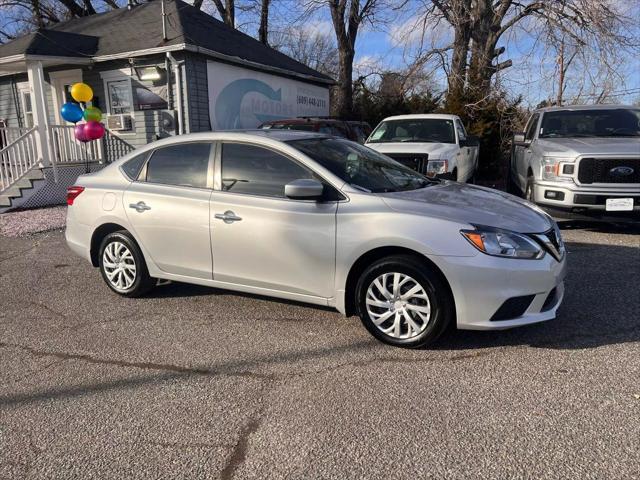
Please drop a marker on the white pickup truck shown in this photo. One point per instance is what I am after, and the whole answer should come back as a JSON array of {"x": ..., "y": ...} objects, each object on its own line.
[
  {"x": 432, "y": 144},
  {"x": 580, "y": 160}
]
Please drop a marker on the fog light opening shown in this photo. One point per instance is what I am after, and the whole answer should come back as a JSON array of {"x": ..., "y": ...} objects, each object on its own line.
[{"x": 553, "y": 195}]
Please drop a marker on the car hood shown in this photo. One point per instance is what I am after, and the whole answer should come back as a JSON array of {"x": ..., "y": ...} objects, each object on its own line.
[
  {"x": 471, "y": 204},
  {"x": 434, "y": 150},
  {"x": 572, "y": 147}
]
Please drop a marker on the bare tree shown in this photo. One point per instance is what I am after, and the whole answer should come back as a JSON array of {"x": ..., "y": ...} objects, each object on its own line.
[
  {"x": 313, "y": 48},
  {"x": 479, "y": 26},
  {"x": 347, "y": 17}
]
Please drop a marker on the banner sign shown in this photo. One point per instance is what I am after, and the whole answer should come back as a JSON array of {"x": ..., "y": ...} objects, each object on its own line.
[{"x": 241, "y": 98}]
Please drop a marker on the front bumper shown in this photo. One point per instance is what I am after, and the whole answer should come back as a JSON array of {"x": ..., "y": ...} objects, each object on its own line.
[
  {"x": 482, "y": 284},
  {"x": 572, "y": 198}
]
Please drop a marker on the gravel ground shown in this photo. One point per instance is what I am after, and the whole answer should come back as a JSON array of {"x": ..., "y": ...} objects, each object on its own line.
[
  {"x": 192, "y": 383},
  {"x": 26, "y": 222}
]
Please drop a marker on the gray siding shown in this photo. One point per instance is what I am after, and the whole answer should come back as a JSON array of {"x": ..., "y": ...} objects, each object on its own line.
[
  {"x": 10, "y": 107},
  {"x": 196, "y": 93}
]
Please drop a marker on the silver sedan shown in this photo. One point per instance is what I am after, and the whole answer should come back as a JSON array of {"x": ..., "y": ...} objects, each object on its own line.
[{"x": 320, "y": 220}]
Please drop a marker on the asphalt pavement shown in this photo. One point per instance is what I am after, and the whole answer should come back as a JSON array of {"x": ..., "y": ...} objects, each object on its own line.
[{"x": 192, "y": 382}]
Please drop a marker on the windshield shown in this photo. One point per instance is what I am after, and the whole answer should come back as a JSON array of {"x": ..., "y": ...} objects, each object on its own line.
[
  {"x": 615, "y": 122},
  {"x": 360, "y": 166},
  {"x": 435, "y": 130}
]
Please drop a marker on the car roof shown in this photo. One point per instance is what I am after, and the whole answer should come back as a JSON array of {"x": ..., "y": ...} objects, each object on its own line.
[
  {"x": 239, "y": 135},
  {"x": 584, "y": 107},
  {"x": 418, "y": 116}
]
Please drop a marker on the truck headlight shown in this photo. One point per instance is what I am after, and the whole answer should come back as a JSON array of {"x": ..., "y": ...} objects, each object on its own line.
[
  {"x": 552, "y": 169},
  {"x": 502, "y": 243},
  {"x": 436, "y": 167}
]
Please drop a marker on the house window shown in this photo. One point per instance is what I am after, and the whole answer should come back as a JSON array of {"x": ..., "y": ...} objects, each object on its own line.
[
  {"x": 119, "y": 96},
  {"x": 27, "y": 105}
]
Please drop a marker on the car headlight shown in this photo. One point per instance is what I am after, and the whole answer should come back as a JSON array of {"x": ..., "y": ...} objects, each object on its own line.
[
  {"x": 502, "y": 243},
  {"x": 553, "y": 169},
  {"x": 436, "y": 167}
]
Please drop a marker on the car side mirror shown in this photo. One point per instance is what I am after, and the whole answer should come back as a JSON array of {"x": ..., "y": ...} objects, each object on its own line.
[
  {"x": 518, "y": 139},
  {"x": 304, "y": 189}
]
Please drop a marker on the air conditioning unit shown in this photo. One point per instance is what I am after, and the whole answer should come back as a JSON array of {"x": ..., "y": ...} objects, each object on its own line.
[{"x": 119, "y": 123}]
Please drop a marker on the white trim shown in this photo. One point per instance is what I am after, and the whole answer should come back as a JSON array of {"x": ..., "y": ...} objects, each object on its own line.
[
  {"x": 24, "y": 87},
  {"x": 55, "y": 79}
]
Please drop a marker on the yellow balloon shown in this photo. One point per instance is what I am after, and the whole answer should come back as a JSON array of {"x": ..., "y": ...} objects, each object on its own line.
[{"x": 81, "y": 92}]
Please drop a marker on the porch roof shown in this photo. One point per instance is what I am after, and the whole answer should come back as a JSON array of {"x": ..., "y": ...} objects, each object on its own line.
[{"x": 123, "y": 33}]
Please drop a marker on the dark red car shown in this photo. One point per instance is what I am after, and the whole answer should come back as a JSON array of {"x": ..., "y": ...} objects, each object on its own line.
[{"x": 350, "y": 129}]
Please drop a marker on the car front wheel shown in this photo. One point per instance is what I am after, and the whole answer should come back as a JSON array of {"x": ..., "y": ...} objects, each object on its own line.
[
  {"x": 122, "y": 265},
  {"x": 402, "y": 302}
]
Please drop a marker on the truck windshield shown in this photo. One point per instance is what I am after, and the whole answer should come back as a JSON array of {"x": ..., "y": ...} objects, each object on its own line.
[
  {"x": 615, "y": 122},
  {"x": 360, "y": 166},
  {"x": 435, "y": 130}
]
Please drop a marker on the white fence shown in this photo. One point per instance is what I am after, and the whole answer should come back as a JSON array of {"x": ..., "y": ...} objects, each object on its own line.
[{"x": 17, "y": 158}]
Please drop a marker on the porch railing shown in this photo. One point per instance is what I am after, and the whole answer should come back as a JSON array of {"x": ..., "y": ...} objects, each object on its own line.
[
  {"x": 66, "y": 149},
  {"x": 10, "y": 134},
  {"x": 17, "y": 158}
]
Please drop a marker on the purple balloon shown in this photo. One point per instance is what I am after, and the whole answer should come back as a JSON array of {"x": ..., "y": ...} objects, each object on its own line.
[
  {"x": 80, "y": 133},
  {"x": 93, "y": 130}
]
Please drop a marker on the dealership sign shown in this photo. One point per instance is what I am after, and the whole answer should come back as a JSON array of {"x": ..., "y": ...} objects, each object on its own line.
[{"x": 243, "y": 98}]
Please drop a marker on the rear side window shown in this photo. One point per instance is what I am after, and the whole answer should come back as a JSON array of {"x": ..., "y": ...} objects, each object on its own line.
[
  {"x": 184, "y": 165},
  {"x": 132, "y": 168},
  {"x": 255, "y": 170}
]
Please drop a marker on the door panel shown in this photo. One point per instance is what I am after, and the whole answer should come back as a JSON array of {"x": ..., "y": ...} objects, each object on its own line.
[
  {"x": 172, "y": 223},
  {"x": 278, "y": 244}
]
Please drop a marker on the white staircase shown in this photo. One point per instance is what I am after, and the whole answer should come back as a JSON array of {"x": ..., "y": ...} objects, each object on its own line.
[{"x": 19, "y": 167}]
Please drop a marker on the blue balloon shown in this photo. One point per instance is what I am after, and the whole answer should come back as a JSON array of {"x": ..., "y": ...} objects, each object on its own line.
[{"x": 71, "y": 112}]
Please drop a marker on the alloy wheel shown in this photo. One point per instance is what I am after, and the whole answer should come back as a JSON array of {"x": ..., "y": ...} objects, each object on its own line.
[
  {"x": 119, "y": 266},
  {"x": 398, "y": 305}
]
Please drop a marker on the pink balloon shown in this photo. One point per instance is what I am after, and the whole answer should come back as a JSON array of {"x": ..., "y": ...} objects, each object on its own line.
[
  {"x": 80, "y": 133},
  {"x": 93, "y": 130}
]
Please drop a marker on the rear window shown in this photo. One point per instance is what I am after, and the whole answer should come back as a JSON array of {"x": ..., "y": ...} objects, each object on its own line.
[
  {"x": 132, "y": 168},
  {"x": 184, "y": 165}
]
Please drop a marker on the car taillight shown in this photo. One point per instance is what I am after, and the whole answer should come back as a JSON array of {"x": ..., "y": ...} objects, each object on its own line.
[{"x": 72, "y": 193}]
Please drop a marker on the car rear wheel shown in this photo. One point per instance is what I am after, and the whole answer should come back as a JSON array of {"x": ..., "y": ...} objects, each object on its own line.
[
  {"x": 402, "y": 302},
  {"x": 122, "y": 265}
]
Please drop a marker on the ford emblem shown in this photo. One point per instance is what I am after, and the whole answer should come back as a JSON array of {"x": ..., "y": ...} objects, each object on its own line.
[{"x": 621, "y": 171}]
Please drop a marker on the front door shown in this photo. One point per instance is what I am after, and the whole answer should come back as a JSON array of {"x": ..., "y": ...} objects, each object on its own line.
[
  {"x": 262, "y": 239},
  {"x": 168, "y": 209},
  {"x": 61, "y": 83}
]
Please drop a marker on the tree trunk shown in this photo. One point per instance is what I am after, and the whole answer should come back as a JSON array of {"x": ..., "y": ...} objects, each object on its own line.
[
  {"x": 263, "y": 31},
  {"x": 342, "y": 106},
  {"x": 458, "y": 72}
]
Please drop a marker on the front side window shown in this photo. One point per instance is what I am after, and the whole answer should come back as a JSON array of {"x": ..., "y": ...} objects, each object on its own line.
[
  {"x": 531, "y": 127},
  {"x": 614, "y": 122},
  {"x": 254, "y": 170},
  {"x": 462, "y": 134},
  {"x": 184, "y": 165},
  {"x": 360, "y": 166},
  {"x": 435, "y": 130}
]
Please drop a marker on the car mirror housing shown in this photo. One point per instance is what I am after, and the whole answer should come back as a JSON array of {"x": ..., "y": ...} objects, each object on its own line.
[
  {"x": 304, "y": 189},
  {"x": 518, "y": 139}
]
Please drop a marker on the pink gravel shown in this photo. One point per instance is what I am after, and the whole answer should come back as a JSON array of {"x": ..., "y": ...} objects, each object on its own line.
[{"x": 18, "y": 224}]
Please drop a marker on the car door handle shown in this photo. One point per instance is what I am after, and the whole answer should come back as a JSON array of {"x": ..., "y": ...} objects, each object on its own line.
[
  {"x": 228, "y": 217},
  {"x": 139, "y": 207}
]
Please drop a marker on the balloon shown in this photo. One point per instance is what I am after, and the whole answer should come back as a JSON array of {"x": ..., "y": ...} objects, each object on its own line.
[
  {"x": 71, "y": 112},
  {"x": 93, "y": 130},
  {"x": 80, "y": 133},
  {"x": 92, "y": 114},
  {"x": 81, "y": 92}
]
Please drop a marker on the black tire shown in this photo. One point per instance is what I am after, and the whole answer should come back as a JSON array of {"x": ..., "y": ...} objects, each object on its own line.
[
  {"x": 454, "y": 175},
  {"x": 442, "y": 306},
  {"x": 142, "y": 282}
]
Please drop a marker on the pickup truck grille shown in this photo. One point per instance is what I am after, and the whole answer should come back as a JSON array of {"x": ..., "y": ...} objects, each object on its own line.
[
  {"x": 417, "y": 162},
  {"x": 609, "y": 170}
]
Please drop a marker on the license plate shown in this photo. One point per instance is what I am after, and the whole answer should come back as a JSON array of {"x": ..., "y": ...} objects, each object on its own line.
[{"x": 619, "y": 204}]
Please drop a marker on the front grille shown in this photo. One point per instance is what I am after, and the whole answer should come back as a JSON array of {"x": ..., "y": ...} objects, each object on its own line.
[
  {"x": 550, "y": 241},
  {"x": 417, "y": 162},
  {"x": 609, "y": 170},
  {"x": 513, "y": 307}
]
